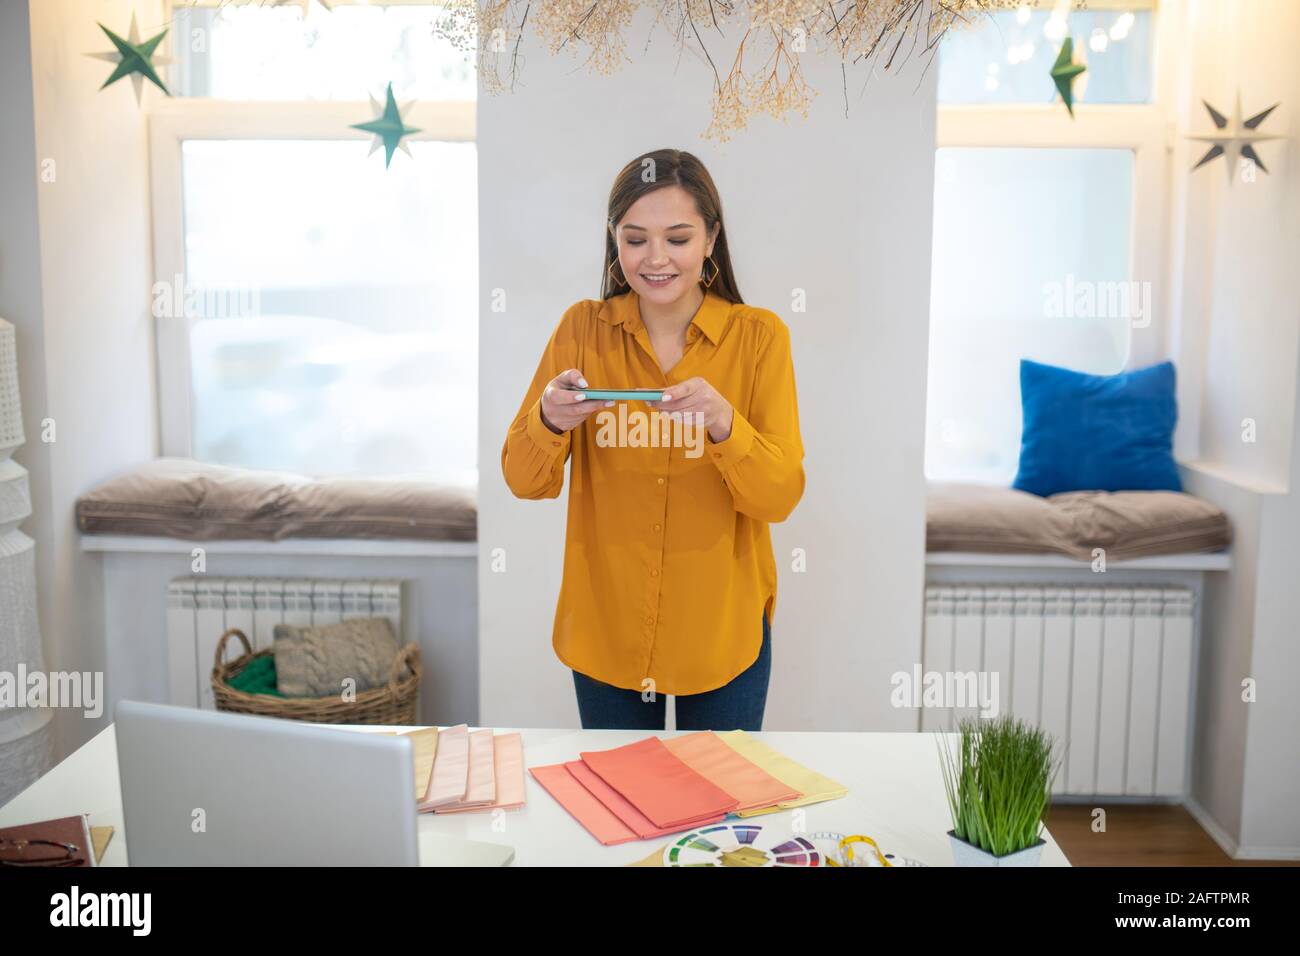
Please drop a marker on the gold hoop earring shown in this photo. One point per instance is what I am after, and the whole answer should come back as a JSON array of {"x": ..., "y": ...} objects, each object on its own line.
[
  {"x": 716, "y": 270},
  {"x": 612, "y": 278}
]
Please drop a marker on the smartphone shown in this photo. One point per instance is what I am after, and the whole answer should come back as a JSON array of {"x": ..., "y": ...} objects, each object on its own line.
[{"x": 623, "y": 394}]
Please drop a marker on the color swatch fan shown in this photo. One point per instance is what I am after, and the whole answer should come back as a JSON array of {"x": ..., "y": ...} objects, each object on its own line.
[{"x": 740, "y": 844}]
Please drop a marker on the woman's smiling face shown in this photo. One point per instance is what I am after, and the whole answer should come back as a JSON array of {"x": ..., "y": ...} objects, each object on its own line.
[{"x": 662, "y": 244}]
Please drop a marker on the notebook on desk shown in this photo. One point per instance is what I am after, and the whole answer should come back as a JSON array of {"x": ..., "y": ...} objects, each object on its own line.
[{"x": 66, "y": 841}]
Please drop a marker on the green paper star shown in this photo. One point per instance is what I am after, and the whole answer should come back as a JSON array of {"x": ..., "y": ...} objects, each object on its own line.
[
  {"x": 133, "y": 59},
  {"x": 388, "y": 128},
  {"x": 1065, "y": 71}
]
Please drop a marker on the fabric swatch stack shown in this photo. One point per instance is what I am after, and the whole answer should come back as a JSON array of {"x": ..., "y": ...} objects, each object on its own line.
[
  {"x": 462, "y": 771},
  {"x": 655, "y": 787}
]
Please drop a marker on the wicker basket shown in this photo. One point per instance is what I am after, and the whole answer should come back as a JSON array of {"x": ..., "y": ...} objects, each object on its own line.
[{"x": 392, "y": 704}]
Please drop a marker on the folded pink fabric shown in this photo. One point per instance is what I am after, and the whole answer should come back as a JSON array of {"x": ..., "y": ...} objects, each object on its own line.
[
  {"x": 632, "y": 818},
  {"x": 482, "y": 787},
  {"x": 708, "y": 755},
  {"x": 508, "y": 764},
  {"x": 582, "y": 806},
  {"x": 450, "y": 777},
  {"x": 658, "y": 783}
]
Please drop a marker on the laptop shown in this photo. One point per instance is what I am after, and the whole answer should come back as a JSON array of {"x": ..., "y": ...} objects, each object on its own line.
[{"x": 209, "y": 788}]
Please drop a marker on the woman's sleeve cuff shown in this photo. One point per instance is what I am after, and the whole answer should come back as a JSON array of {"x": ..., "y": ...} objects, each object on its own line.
[
  {"x": 543, "y": 437},
  {"x": 726, "y": 454}
]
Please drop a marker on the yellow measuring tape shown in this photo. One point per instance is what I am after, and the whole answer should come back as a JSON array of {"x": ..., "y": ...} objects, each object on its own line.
[
  {"x": 847, "y": 849},
  {"x": 844, "y": 844}
]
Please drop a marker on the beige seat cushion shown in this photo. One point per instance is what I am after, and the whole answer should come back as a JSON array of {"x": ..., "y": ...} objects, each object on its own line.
[
  {"x": 180, "y": 498},
  {"x": 992, "y": 519},
  {"x": 1136, "y": 524}
]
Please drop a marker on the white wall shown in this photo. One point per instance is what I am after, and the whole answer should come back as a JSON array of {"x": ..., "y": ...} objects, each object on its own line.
[
  {"x": 85, "y": 341},
  {"x": 838, "y": 207},
  {"x": 1236, "y": 250},
  {"x": 1239, "y": 241},
  {"x": 1271, "y": 800}
]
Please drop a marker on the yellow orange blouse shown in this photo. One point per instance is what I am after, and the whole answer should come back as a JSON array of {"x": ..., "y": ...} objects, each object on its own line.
[{"x": 668, "y": 563}]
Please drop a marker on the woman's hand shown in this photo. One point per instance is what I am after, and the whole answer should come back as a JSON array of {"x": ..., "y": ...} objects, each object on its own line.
[
  {"x": 696, "y": 396},
  {"x": 563, "y": 405}
]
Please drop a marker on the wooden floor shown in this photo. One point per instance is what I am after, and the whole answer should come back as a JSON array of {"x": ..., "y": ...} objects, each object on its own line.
[{"x": 1139, "y": 836}]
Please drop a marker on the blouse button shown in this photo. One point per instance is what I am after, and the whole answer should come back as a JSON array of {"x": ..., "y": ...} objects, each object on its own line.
[
  {"x": 657, "y": 527},
  {"x": 660, "y": 480},
  {"x": 649, "y": 621},
  {"x": 654, "y": 572}
]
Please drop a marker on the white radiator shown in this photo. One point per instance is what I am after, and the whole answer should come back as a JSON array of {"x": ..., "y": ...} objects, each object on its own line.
[
  {"x": 199, "y": 609},
  {"x": 1106, "y": 671}
]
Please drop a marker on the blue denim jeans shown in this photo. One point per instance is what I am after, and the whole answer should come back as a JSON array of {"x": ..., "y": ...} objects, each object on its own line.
[{"x": 737, "y": 705}]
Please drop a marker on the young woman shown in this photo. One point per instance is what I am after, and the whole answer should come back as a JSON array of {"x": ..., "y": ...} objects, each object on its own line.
[{"x": 669, "y": 580}]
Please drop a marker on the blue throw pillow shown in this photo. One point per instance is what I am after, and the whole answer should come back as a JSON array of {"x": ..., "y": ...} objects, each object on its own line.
[{"x": 1097, "y": 432}]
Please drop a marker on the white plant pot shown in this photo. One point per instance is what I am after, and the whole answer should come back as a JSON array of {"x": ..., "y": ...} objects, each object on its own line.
[{"x": 964, "y": 854}]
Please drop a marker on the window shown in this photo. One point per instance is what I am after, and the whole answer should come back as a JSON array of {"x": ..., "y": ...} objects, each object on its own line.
[
  {"x": 1047, "y": 230},
  {"x": 1008, "y": 58},
  {"x": 1019, "y": 233},
  {"x": 319, "y": 311},
  {"x": 256, "y": 51}
]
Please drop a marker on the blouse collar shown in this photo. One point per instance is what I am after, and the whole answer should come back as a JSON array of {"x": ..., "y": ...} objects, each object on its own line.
[{"x": 625, "y": 309}]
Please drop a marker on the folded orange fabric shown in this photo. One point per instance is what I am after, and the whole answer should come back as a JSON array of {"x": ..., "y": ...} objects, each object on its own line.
[
  {"x": 633, "y": 818},
  {"x": 658, "y": 783},
  {"x": 582, "y": 806},
  {"x": 708, "y": 755}
]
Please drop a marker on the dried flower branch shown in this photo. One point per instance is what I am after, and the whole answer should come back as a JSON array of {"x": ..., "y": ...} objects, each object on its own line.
[{"x": 889, "y": 31}]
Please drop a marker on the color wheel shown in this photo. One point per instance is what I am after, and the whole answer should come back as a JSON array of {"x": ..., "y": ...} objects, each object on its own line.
[{"x": 740, "y": 844}]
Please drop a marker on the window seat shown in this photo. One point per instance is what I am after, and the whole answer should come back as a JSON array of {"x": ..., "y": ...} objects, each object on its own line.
[
  {"x": 284, "y": 548},
  {"x": 181, "y": 499},
  {"x": 1216, "y": 561},
  {"x": 175, "y": 522},
  {"x": 1089, "y": 608},
  {"x": 1140, "y": 527}
]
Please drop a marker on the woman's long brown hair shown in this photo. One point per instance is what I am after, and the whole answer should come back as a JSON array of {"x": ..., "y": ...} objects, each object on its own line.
[{"x": 669, "y": 167}]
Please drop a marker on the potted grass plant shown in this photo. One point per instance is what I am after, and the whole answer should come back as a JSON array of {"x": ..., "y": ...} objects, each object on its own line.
[{"x": 999, "y": 784}]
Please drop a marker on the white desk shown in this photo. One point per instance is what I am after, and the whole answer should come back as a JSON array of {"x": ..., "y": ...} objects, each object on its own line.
[{"x": 896, "y": 795}]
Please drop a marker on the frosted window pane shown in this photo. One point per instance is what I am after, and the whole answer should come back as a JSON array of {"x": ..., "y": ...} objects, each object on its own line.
[
  {"x": 1004, "y": 60},
  {"x": 257, "y": 51},
  {"x": 1032, "y": 259},
  {"x": 339, "y": 301}
]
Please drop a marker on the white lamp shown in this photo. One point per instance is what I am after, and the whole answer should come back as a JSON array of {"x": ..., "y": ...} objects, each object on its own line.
[{"x": 25, "y": 744}]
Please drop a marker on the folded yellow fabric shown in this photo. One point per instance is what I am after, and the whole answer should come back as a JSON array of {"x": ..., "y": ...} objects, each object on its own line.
[
  {"x": 814, "y": 786},
  {"x": 424, "y": 747}
]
